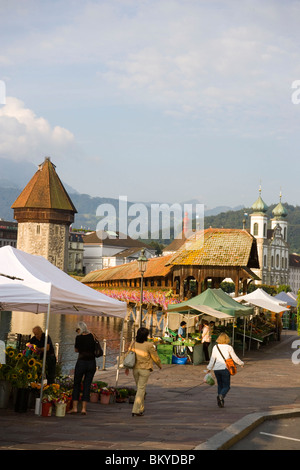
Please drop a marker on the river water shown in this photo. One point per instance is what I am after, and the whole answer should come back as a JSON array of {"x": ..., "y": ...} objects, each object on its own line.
[{"x": 62, "y": 331}]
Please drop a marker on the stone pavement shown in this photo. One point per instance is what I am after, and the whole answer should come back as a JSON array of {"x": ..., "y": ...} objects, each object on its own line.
[{"x": 181, "y": 411}]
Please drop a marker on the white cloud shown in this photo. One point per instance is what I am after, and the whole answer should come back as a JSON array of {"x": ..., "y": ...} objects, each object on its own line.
[{"x": 23, "y": 135}]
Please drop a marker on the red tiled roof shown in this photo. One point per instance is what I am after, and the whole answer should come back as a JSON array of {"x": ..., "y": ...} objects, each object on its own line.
[
  {"x": 216, "y": 247},
  {"x": 156, "y": 267}
]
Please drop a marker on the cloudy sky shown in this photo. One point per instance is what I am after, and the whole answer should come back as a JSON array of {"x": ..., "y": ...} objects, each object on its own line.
[{"x": 158, "y": 100}]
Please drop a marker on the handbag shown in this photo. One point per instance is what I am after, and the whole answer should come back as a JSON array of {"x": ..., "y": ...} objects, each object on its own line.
[
  {"x": 129, "y": 360},
  {"x": 98, "y": 350},
  {"x": 229, "y": 363}
]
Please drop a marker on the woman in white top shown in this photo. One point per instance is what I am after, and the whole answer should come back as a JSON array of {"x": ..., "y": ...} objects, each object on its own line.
[{"x": 218, "y": 365}]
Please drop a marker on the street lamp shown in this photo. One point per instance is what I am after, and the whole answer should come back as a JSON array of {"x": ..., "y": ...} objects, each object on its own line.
[{"x": 142, "y": 265}]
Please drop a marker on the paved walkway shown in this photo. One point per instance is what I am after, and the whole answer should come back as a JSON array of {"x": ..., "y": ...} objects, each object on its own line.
[{"x": 181, "y": 412}]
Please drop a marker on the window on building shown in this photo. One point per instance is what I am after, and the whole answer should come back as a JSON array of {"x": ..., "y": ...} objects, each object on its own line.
[
  {"x": 255, "y": 229},
  {"x": 38, "y": 229}
]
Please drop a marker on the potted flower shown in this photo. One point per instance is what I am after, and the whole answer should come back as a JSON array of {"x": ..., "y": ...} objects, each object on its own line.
[
  {"x": 94, "y": 393},
  {"x": 131, "y": 395},
  {"x": 122, "y": 394},
  {"x": 105, "y": 394}
]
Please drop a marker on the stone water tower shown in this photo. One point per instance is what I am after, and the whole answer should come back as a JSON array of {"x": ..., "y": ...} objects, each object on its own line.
[{"x": 44, "y": 212}]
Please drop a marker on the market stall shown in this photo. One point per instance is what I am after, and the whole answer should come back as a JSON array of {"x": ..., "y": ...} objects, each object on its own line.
[
  {"x": 213, "y": 305},
  {"x": 30, "y": 283},
  {"x": 289, "y": 317},
  {"x": 261, "y": 329}
]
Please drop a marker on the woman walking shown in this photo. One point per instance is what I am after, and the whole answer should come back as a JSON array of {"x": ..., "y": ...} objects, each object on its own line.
[
  {"x": 222, "y": 351},
  {"x": 146, "y": 354},
  {"x": 85, "y": 367}
]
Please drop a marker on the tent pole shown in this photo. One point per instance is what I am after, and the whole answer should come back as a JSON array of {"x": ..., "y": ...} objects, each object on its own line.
[
  {"x": 244, "y": 336},
  {"x": 44, "y": 358},
  {"x": 120, "y": 352}
]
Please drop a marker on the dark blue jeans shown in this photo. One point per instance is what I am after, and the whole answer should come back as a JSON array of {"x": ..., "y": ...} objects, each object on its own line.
[
  {"x": 223, "y": 381},
  {"x": 83, "y": 370}
]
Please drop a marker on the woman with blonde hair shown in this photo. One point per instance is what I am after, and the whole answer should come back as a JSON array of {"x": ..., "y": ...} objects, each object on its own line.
[
  {"x": 222, "y": 351},
  {"x": 85, "y": 366}
]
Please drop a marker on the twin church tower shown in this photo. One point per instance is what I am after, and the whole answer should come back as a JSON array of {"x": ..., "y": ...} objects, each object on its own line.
[{"x": 272, "y": 246}]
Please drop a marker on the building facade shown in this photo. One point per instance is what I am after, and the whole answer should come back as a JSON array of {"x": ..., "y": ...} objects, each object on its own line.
[
  {"x": 105, "y": 250},
  {"x": 75, "y": 253},
  {"x": 294, "y": 279},
  {"x": 8, "y": 233}
]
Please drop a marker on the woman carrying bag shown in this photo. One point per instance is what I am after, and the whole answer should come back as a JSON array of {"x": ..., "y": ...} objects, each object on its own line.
[
  {"x": 145, "y": 355},
  {"x": 220, "y": 353}
]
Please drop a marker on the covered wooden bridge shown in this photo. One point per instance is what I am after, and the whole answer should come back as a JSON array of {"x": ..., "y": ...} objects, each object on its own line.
[{"x": 212, "y": 255}]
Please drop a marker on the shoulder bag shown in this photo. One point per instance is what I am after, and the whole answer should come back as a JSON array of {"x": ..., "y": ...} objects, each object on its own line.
[
  {"x": 129, "y": 360},
  {"x": 98, "y": 350},
  {"x": 229, "y": 363}
]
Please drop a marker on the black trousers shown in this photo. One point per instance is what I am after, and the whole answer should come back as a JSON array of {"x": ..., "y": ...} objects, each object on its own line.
[
  {"x": 83, "y": 370},
  {"x": 205, "y": 350}
]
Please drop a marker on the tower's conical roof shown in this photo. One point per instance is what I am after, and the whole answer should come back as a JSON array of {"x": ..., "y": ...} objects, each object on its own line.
[{"x": 44, "y": 191}]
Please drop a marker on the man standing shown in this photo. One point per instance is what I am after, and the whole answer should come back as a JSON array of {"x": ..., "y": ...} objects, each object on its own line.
[{"x": 39, "y": 340}]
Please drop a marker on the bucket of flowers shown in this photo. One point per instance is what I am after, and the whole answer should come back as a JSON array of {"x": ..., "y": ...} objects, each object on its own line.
[
  {"x": 50, "y": 394},
  {"x": 21, "y": 370},
  {"x": 61, "y": 402},
  {"x": 66, "y": 384}
]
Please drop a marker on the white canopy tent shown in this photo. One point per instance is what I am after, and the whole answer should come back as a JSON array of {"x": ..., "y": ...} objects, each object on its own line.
[
  {"x": 32, "y": 284},
  {"x": 260, "y": 298}
]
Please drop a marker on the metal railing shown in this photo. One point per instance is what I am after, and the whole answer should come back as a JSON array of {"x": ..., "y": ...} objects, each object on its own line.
[{"x": 110, "y": 353}]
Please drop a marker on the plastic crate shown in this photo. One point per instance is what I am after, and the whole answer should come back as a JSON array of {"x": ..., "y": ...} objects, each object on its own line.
[{"x": 179, "y": 360}]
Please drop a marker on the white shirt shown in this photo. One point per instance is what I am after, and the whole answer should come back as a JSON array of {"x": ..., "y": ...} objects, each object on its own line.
[{"x": 216, "y": 360}]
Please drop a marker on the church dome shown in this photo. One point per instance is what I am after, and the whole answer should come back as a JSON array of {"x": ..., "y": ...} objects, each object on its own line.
[
  {"x": 259, "y": 205},
  {"x": 279, "y": 211}
]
